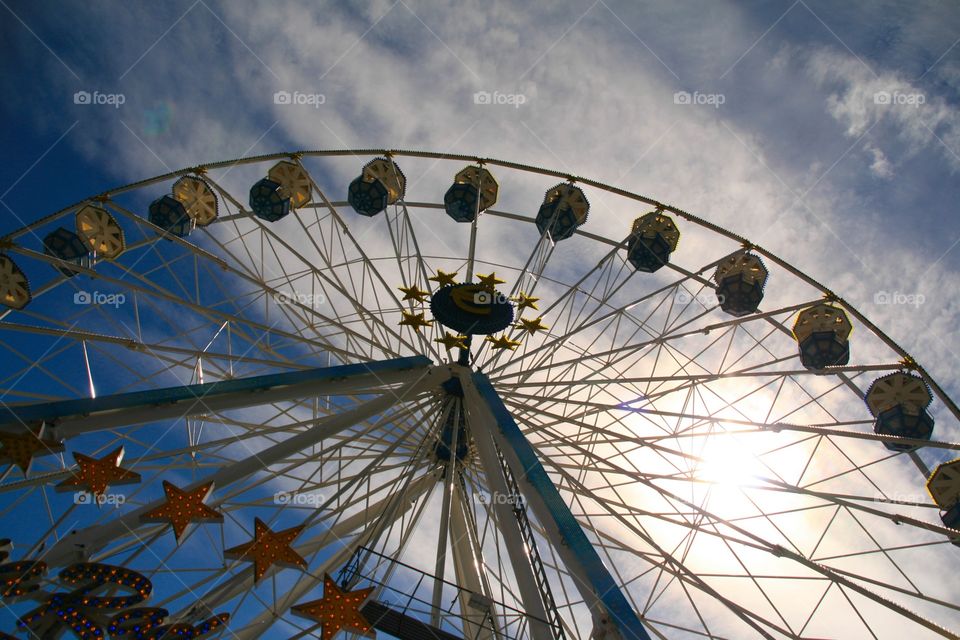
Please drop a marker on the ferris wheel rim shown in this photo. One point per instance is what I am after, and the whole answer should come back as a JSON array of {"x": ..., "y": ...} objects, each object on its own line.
[
  {"x": 907, "y": 363},
  {"x": 200, "y": 169},
  {"x": 360, "y": 153}
]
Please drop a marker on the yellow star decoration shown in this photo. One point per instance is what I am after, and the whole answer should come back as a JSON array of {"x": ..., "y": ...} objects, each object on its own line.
[
  {"x": 444, "y": 279},
  {"x": 21, "y": 448},
  {"x": 532, "y": 325},
  {"x": 524, "y": 301},
  {"x": 452, "y": 341},
  {"x": 414, "y": 320},
  {"x": 182, "y": 508},
  {"x": 337, "y": 610},
  {"x": 95, "y": 475},
  {"x": 414, "y": 293},
  {"x": 503, "y": 342},
  {"x": 267, "y": 549},
  {"x": 491, "y": 281}
]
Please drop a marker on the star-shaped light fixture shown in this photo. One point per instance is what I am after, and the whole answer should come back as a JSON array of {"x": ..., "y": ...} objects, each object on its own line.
[
  {"x": 452, "y": 341},
  {"x": 503, "y": 342},
  {"x": 182, "y": 508},
  {"x": 525, "y": 302},
  {"x": 415, "y": 320},
  {"x": 490, "y": 281},
  {"x": 474, "y": 308},
  {"x": 414, "y": 293},
  {"x": 444, "y": 279},
  {"x": 21, "y": 448},
  {"x": 267, "y": 549},
  {"x": 532, "y": 325},
  {"x": 337, "y": 610},
  {"x": 95, "y": 475}
]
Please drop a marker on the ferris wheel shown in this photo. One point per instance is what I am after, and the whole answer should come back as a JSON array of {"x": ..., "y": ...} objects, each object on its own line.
[{"x": 423, "y": 395}]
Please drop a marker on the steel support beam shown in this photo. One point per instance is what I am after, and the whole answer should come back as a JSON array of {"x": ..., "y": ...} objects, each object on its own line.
[
  {"x": 448, "y": 483},
  {"x": 68, "y": 418},
  {"x": 481, "y": 426},
  {"x": 79, "y": 545},
  {"x": 585, "y": 563},
  {"x": 467, "y": 563}
]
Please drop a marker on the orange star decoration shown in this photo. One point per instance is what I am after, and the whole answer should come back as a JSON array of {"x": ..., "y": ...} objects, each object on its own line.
[
  {"x": 452, "y": 341},
  {"x": 337, "y": 610},
  {"x": 532, "y": 325},
  {"x": 96, "y": 475},
  {"x": 503, "y": 342},
  {"x": 524, "y": 301},
  {"x": 444, "y": 279},
  {"x": 414, "y": 293},
  {"x": 414, "y": 320},
  {"x": 183, "y": 508},
  {"x": 490, "y": 282},
  {"x": 268, "y": 548},
  {"x": 21, "y": 448}
]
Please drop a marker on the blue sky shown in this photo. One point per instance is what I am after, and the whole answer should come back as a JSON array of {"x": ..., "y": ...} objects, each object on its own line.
[
  {"x": 799, "y": 156},
  {"x": 829, "y": 133}
]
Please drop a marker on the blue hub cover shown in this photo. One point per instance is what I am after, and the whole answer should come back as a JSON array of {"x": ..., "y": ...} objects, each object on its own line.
[{"x": 471, "y": 309}]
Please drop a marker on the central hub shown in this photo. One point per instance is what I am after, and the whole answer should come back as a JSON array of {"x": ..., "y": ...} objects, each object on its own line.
[{"x": 472, "y": 309}]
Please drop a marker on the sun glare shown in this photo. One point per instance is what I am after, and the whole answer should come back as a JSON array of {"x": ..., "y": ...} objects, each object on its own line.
[{"x": 727, "y": 462}]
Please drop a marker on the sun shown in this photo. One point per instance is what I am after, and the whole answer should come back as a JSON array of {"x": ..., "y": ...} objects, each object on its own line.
[{"x": 727, "y": 461}]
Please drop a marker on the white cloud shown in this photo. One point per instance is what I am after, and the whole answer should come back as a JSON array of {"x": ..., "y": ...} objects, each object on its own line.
[
  {"x": 860, "y": 99},
  {"x": 881, "y": 166},
  {"x": 598, "y": 105}
]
